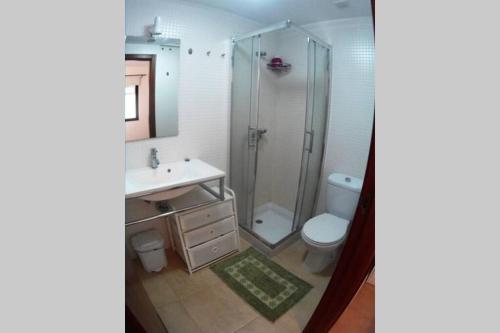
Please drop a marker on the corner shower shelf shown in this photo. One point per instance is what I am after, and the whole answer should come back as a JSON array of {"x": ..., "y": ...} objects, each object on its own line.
[{"x": 282, "y": 68}]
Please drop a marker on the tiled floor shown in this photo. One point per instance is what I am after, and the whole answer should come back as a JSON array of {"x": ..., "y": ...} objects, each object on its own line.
[{"x": 201, "y": 302}]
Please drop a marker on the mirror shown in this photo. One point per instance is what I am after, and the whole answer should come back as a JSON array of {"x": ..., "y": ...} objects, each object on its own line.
[{"x": 151, "y": 86}]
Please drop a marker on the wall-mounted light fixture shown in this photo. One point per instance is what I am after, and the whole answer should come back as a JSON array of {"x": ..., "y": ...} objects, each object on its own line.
[{"x": 155, "y": 29}]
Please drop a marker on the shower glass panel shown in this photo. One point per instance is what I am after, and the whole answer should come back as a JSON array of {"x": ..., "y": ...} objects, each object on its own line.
[
  {"x": 278, "y": 118},
  {"x": 280, "y": 122},
  {"x": 316, "y": 120},
  {"x": 243, "y": 116}
]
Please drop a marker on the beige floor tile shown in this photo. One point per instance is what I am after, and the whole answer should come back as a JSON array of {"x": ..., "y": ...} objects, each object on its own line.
[
  {"x": 287, "y": 324},
  {"x": 202, "y": 301},
  {"x": 159, "y": 291},
  {"x": 156, "y": 286},
  {"x": 218, "y": 310},
  {"x": 183, "y": 283},
  {"x": 176, "y": 319},
  {"x": 257, "y": 325},
  {"x": 292, "y": 259},
  {"x": 284, "y": 324},
  {"x": 303, "y": 310},
  {"x": 244, "y": 244},
  {"x": 230, "y": 297}
]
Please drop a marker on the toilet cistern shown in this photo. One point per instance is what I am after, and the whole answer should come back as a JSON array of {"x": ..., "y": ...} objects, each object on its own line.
[{"x": 154, "y": 158}]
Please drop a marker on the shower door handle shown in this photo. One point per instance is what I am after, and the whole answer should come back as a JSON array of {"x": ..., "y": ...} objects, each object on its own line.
[
  {"x": 254, "y": 135},
  {"x": 311, "y": 140}
]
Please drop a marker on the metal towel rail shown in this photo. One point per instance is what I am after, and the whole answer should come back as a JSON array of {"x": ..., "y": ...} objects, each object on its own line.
[{"x": 220, "y": 197}]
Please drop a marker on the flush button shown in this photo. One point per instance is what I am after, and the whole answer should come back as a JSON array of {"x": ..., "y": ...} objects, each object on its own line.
[{"x": 347, "y": 179}]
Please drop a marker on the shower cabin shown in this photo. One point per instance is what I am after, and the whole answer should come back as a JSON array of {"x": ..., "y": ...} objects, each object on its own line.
[{"x": 279, "y": 116}]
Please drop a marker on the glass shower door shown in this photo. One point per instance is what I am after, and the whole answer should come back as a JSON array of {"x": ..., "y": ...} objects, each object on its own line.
[
  {"x": 280, "y": 130},
  {"x": 316, "y": 124},
  {"x": 278, "y": 125},
  {"x": 243, "y": 118}
]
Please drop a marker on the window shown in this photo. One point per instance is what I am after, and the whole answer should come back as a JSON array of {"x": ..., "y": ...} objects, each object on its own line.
[{"x": 132, "y": 103}]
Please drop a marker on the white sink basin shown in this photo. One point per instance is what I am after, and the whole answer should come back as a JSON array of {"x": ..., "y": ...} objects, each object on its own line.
[{"x": 169, "y": 180}]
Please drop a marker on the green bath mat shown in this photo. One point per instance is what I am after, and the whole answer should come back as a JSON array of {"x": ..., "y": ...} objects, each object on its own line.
[{"x": 262, "y": 283}]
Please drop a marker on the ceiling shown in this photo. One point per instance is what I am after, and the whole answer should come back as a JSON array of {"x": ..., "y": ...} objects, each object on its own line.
[{"x": 299, "y": 11}]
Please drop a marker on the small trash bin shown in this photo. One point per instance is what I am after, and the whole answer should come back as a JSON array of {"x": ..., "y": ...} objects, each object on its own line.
[{"x": 149, "y": 247}]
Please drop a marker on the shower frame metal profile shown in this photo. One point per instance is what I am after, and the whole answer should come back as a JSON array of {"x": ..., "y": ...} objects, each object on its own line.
[
  {"x": 281, "y": 26},
  {"x": 311, "y": 38}
]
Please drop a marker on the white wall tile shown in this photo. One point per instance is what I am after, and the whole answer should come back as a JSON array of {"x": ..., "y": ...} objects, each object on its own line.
[
  {"x": 351, "y": 109},
  {"x": 204, "y": 83},
  {"x": 352, "y": 96}
]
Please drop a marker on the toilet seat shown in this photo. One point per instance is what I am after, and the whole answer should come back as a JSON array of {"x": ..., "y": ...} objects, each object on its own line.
[{"x": 325, "y": 229}]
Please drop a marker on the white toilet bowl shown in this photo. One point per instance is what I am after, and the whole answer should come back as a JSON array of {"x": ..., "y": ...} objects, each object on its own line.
[{"x": 324, "y": 236}]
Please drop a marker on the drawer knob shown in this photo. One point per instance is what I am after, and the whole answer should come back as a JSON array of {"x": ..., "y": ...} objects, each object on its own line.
[
  {"x": 215, "y": 249},
  {"x": 211, "y": 231}
]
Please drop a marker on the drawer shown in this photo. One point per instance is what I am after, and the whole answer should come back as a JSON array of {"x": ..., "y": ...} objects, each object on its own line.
[
  {"x": 211, "y": 231},
  {"x": 212, "y": 250},
  {"x": 205, "y": 216}
]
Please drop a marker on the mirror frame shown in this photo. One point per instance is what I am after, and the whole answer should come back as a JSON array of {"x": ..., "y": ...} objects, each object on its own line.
[{"x": 173, "y": 129}]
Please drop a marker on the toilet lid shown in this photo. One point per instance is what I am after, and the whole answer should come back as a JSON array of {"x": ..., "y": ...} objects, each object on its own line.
[{"x": 325, "y": 228}]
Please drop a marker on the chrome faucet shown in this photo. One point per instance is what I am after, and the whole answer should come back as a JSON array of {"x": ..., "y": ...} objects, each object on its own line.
[{"x": 154, "y": 159}]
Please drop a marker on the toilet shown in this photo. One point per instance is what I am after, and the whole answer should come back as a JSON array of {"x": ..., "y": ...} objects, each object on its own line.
[{"x": 324, "y": 235}]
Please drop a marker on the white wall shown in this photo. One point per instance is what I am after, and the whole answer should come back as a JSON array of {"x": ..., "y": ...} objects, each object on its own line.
[
  {"x": 204, "y": 83},
  {"x": 351, "y": 109},
  {"x": 352, "y": 96}
]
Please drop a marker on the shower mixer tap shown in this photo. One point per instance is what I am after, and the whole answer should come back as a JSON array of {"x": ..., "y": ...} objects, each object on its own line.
[
  {"x": 254, "y": 135},
  {"x": 260, "y": 132}
]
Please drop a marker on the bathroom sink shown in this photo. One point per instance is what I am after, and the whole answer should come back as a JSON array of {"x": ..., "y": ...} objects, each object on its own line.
[{"x": 169, "y": 180}]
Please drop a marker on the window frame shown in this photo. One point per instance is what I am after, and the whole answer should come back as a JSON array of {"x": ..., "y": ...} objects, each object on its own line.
[{"x": 136, "y": 105}]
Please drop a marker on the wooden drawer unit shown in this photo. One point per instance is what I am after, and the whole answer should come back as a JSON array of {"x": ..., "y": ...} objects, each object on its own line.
[
  {"x": 209, "y": 251},
  {"x": 209, "y": 232},
  {"x": 201, "y": 217},
  {"x": 203, "y": 235}
]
